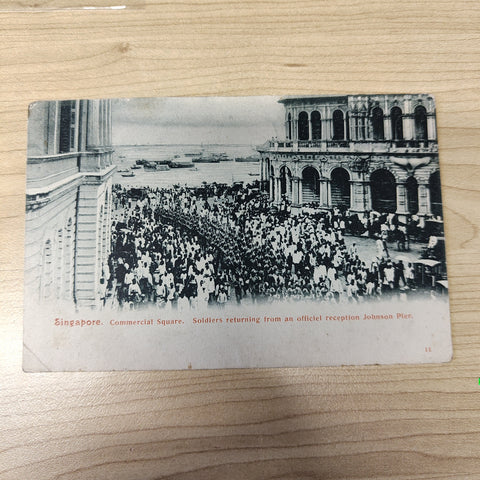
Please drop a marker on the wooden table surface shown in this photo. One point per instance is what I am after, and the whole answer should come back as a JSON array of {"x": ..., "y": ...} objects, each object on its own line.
[{"x": 395, "y": 422}]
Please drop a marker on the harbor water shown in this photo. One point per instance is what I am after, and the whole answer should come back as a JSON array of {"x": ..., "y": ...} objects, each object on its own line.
[{"x": 223, "y": 172}]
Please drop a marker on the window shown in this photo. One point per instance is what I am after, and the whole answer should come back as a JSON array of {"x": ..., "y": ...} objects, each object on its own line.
[
  {"x": 67, "y": 127},
  {"x": 397, "y": 123}
]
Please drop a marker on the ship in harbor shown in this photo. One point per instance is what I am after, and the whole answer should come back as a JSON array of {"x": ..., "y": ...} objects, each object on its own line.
[
  {"x": 206, "y": 159},
  {"x": 249, "y": 159},
  {"x": 180, "y": 164},
  {"x": 211, "y": 158},
  {"x": 159, "y": 166}
]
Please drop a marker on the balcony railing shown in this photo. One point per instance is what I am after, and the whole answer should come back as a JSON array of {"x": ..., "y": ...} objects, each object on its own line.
[{"x": 406, "y": 146}]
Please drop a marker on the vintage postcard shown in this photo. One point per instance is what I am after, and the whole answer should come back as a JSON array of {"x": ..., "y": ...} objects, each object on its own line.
[{"x": 207, "y": 232}]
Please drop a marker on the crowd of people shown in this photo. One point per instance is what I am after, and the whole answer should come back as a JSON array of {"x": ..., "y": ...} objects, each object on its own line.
[{"x": 189, "y": 248}]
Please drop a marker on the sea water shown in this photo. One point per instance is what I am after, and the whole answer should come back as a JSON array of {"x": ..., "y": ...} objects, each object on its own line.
[{"x": 224, "y": 172}]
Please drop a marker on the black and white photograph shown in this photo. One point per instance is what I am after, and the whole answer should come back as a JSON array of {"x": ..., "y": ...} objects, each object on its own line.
[{"x": 206, "y": 212}]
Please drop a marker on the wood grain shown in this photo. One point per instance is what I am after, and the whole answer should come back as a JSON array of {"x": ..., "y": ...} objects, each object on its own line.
[{"x": 378, "y": 422}]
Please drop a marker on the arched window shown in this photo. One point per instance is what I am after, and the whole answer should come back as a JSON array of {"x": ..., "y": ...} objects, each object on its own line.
[
  {"x": 397, "y": 123},
  {"x": 310, "y": 185},
  {"x": 289, "y": 127},
  {"x": 377, "y": 124},
  {"x": 338, "y": 125},
  {"x": 421, "y": 132},
  {"x": 384, "y": 194},
  {"x": 340, "y": 188},
  {"x": 285, "y": 181},
  {"x": 303, "y": 132},
  {"x": 316, "y": 125}
]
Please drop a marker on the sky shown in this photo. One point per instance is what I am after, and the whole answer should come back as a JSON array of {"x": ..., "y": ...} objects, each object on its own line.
[{"x": 196, "y": 120}]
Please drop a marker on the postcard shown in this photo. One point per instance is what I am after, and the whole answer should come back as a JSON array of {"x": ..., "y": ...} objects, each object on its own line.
[{"x": 234, "y": 232}]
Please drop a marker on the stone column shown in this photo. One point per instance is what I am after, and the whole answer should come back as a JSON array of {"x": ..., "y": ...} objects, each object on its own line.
[
  {"x": 271, "y": 187},
  {"x": 278, "y": 190},
  {"x": 431, "y": 127},
  {"x": 356, "y": 196},
  {"x": 424, "y": 207},
  {"x": 295, "y": 190},
  {"x": 387, "y": 127},
  {"x": 53, "y": 128},
  {"x": 353, "y": 122},
  {"x": 324, "y": 187},
  {"x": 402, "y": 207},
  {"x": 93, "y": 125},
  {"x": 309, "y": 127},
  {"x": 87, "y": 270},
  {"x": 360, "y": 196},
  {"x": 408, "y": 127}
]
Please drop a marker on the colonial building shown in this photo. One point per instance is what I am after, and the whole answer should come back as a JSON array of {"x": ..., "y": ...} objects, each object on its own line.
[
  {"x": 68, "y": 207},
  {"x": 357, "y": 152}
]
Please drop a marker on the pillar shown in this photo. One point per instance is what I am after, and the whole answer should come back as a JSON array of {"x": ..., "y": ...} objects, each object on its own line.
[
  {"x": 295, "y": 191},
  {"x": 87, "y": 270},
  {"x": 353, "y": 123},
  {"x": 309, "y": 127},
  {"x": 431, "y": 127},
  {"x": 387, "y": 127},
  {"x": 93, "y": 124},
  {"x": 278, "y": 190},
  {"x": 402, "y": 207},
  {"x": 325, "y": 129},
  {"x": 360, "y": 196},
  {"x": 324, "y": 191},
  {"x": 271, "y": 187},
  {"x": 424, "y": 207}
]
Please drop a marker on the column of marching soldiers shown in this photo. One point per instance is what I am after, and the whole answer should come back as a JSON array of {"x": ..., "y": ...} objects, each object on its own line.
[{"x": 188, "y": 248}]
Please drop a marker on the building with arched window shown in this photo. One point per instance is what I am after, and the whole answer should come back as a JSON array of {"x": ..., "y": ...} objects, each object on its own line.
[
  {"x": 356, "y": 152},
  {"x": 68, "y": 204}
]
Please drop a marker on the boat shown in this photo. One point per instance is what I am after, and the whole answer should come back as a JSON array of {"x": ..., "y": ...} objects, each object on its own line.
[
  {"x": 194, "y": 154},
  {"x": 254, "y": 174},
  {"x": 149, "y": 166},
  {"x": 128, "y": 174},
  {"x": 135, "y": 167},
  {"x": 152, "y": 165},
  {"x": 247, "y": 159},
  {"x": 209, "y": 159},
  {"x": 175, "y": 164}
]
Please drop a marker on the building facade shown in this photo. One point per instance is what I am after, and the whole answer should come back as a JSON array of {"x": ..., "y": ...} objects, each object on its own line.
[
  {"x": 68, "y": 200},
  {"x": 356, "y": 152}
]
